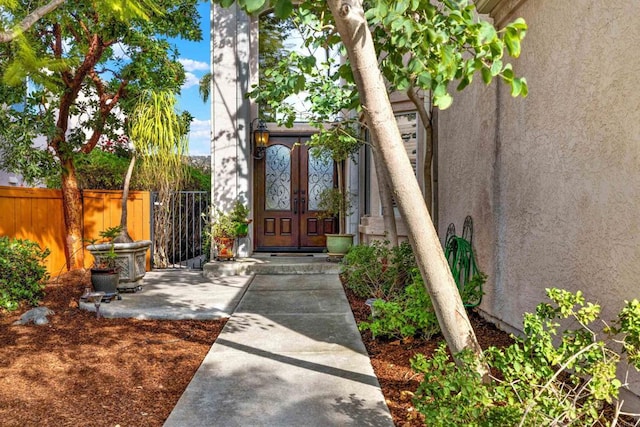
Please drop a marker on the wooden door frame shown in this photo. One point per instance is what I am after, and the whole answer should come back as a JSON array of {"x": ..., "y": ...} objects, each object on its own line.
[{"x": 258, "y": 193}]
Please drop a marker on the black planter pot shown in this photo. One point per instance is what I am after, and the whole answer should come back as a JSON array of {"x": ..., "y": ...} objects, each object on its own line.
[{"x": 105, "y": 280}]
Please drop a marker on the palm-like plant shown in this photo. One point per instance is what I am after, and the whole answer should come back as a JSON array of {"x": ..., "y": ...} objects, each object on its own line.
[{"x": 159, "y": 136}]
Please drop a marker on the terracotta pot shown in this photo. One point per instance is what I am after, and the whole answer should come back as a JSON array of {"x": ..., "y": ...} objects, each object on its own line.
[{"x": 225, "y": 247}]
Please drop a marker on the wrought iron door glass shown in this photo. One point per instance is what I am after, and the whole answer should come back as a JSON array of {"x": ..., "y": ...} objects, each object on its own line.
[{"x": 278, "y": 178}]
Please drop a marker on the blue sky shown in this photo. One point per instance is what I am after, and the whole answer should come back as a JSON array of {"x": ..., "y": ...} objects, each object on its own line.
[{"x": 194, "y": 56}]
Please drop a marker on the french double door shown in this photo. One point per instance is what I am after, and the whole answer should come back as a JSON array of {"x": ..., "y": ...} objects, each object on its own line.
[{"x": 288, "y": 182}]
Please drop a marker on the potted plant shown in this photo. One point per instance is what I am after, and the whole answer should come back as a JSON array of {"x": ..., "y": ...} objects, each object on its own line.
[
  {"x": 337, "y": 144},
  {"x": 335, "y": 203},
  {"x": 240, "y": 217},
  {"x": 226, "y": 227},
  {"x": 105, "y": 272}
]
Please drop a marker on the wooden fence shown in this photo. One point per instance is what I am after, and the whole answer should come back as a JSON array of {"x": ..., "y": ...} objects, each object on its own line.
[{"x": 36, "y": 214}]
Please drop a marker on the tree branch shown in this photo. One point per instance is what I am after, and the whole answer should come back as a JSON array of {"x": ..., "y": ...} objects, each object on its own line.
[{"x": 29, "y": 20}]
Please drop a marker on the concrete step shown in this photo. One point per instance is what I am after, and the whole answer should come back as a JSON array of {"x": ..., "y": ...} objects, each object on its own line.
[{"x": 267, "y": 264}]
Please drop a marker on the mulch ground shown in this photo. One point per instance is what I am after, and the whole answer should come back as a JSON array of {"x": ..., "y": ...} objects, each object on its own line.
[{"x": 82, "y": 371}]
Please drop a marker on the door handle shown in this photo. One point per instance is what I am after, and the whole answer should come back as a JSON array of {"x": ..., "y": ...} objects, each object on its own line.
[
  {"x": 302, "y": 203},
  {"x": 295, "y": 205}
]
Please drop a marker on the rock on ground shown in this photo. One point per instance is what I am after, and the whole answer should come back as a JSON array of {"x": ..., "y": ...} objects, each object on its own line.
[{"x": 36, "y": 315}]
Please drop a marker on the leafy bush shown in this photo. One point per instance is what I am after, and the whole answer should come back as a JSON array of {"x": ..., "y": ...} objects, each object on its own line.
[
  {"x": 409, "y": 315},
  {"x": 22, "y": 275},
  {"x": 378, "y": 271},
  {"x": 539, "y": 382}
]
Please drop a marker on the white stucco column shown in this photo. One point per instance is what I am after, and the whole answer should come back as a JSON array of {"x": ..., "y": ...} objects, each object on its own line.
[{"x": 231, "y": 38}]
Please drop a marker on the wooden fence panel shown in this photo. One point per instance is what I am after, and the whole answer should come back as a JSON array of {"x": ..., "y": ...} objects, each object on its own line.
[{"x": 36, "y": 214}]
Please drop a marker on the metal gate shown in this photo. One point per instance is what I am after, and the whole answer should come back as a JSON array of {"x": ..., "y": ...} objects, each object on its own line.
[{"x": 185, "y": 240}]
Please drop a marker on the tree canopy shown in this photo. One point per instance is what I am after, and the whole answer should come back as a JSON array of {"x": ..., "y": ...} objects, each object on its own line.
[{"x": 73, "y": 77}]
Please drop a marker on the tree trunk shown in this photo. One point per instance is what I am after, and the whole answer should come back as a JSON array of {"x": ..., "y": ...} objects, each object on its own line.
[
  {"x": 162, "y": 224},
  {"x": 425, "y": 117},
  {"x": 124, "y": 236},
  {"x": 72, "y": 208},
  {"x": 386, "y": 200},
  {"x": 355, "y": 34}
]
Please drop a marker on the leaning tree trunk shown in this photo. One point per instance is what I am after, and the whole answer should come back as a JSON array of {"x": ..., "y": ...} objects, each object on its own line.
[
  {"x": 72, "y": 209},
  {"x": 124, "y": 236},
  {"x": 425, "y": 117},
  {"x": 356, "y": 36}
]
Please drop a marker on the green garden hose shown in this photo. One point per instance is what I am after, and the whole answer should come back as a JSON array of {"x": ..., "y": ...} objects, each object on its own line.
[{"x": 462, "y": 261}]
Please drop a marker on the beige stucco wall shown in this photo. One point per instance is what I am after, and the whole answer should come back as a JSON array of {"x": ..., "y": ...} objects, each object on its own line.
[{"x": 553, "y": 181}]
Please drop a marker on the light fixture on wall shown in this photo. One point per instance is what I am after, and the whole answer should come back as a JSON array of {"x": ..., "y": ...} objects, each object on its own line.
[{"x": 259, "y": 137}]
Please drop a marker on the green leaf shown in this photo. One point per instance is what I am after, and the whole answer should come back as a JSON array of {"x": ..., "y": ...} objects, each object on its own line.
[
  {"x": 496, "y": 67},
  {"x": 487, "y": 75},
  {"x": 254, "y": 5},
  {"x": 512, "y": 40},
  {"x": 507, "y": 73},
  {"x": 464, "y": 82},
  {"x": 519, "y": 24},
  {"x": 283, "y": 8},
  {"x": 443, "y": 101},
  {"x": 516, "y": 87},
  {"x": 487, "y": 32}
]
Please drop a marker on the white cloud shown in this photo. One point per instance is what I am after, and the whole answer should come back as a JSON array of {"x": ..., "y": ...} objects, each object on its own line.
[
  {"x": 191, "y": 65},
  {"x": 199, "y": 138},
  {"x": 119, "y": 51},
  {"x": 200, "y": 128},
  {"x": 191, "y": 80}
]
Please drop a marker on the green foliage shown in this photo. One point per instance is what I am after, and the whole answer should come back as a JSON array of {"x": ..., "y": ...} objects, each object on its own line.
[
  {"x": 333, "y": 202},
  {"x": 454, "y": 395},
  {"x": 197, "y": 179},
  {"x": 402, "y": 306},
  {"x": 547, "y": 377},
  {"x": 377, "y": 271},
  {"x": 421, "y": 44},
  {"x": 410, "y": 314},
  {"x": 141, "y": 28},
  {"x": 107, "y": 259},
  {"x": 22, "y": 275},
  {"x": 472, "y": 292},
  {"x": 229, "y": 224},
  {"x": 160, "y": 138},
  {"x": 428, "y": 45}
]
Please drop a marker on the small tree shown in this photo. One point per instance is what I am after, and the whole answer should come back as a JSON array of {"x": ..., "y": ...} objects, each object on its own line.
[
  {"x": 348, "y": 21},
  {"x": 70, "y": 70},
  {"x": 159, "y": 136}
]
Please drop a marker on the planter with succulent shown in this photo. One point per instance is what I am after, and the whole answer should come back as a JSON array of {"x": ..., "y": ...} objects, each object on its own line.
[{"x": 105, "y": 272}]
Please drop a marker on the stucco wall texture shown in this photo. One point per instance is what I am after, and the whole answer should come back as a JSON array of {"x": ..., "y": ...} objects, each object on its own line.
[{"x": 552, "y": 181}]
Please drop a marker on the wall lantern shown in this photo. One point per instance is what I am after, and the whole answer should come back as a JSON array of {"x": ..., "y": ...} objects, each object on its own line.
[{"x": 260, "y": 137}]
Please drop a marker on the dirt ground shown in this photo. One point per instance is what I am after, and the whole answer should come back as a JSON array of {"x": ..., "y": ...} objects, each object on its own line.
[{"x": 82, "y": 371}]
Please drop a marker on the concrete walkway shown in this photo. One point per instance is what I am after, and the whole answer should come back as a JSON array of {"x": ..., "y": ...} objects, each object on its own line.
[{"x": 290, "y": 354}]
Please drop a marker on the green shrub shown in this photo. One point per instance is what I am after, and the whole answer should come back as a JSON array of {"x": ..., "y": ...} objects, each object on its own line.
[
  {"x": 409, "y": 315},
  {"x": 377, "y": 271},
  {"x": 22, "y": 275},
  {"x": 547, "y": 377}
]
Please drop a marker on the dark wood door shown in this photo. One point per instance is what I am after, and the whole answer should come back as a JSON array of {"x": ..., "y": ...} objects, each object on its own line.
[{"x": 288, "y": 182}]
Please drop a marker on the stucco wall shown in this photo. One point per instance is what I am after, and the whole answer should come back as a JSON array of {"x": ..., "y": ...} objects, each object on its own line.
[{"x": 552, "y": 181}]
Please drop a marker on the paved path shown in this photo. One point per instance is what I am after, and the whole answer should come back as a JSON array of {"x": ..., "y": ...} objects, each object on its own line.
[
  {"x": 290, "y": 355},
  {"x": 178, "y": 294}
]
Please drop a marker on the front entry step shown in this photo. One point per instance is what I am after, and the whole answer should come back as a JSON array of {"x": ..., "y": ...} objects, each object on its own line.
[{"x": 263, "y": 264}]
